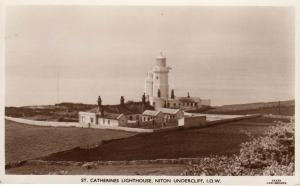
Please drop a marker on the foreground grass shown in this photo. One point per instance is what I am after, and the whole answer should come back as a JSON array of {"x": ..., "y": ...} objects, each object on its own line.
[{"x": 24, "y": 142}]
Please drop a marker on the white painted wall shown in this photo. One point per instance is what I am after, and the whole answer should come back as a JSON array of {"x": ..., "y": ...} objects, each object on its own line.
[{"x": 74, "y": 124}]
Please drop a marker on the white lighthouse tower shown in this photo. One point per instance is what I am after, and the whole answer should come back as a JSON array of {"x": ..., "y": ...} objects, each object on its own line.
[
  {"x": 157, "y": 82},
  {"x": 160, "y": 77}
]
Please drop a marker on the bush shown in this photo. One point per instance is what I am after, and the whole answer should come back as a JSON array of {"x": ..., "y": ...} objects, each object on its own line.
[{"x": 269, "y": 155}]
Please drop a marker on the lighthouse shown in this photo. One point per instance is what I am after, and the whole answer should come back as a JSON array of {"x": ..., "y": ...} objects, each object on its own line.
[
  {"x": 157, "y": 82},
  {"x": 160, "y": 77}
]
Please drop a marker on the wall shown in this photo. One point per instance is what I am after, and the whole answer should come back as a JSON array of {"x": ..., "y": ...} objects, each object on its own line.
[
  {"x": 107, "y": 122},
  {"x": 180, "y": 125},
  {"x": 74, "y": 124},
  {"x": 194, "y": 121},
  {"x": 44, "y": 123},
  {"x": 233, "y": 119},
  {"x": 135, "y": 117},
  {"x": 213, "y": 117},
  {"x": 94, "y": 164},
  {"x": 123, "y": 121}
]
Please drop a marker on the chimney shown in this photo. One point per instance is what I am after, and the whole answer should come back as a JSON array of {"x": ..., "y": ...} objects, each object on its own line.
[
  {"x": 122, "y": 100},
  {"x": 100, "y": 106},
  {"x": 143, "y": 102}
]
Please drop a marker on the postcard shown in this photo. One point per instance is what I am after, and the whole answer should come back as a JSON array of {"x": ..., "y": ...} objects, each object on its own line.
[{"x": 168, "y": 92}]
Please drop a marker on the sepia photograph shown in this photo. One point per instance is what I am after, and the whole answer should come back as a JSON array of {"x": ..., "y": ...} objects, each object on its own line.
[{"x": 149, "y": 90}]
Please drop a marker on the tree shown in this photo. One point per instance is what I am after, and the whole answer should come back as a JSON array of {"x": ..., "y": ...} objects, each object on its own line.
[
  {"x": 158, "y": 93},
  {"x": 172, "y": 94},
  {"x": 122, "y": 100}
]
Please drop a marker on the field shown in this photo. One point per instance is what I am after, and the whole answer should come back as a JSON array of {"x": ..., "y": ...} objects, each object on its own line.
[
  {"x": 24, "y": 142},
  {"x": 223, "y": 139}
]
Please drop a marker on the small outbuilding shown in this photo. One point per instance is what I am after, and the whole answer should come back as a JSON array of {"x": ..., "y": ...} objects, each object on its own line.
[
  {"x": 152, "y": 115},
  {"x": 171, "y": 114}
]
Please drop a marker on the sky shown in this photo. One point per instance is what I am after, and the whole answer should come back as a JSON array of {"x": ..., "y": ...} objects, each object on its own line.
[{"x": 76, "y": 53}]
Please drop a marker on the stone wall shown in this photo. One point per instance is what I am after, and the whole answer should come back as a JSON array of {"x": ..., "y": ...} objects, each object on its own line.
[{"x": 94, "y": 164}]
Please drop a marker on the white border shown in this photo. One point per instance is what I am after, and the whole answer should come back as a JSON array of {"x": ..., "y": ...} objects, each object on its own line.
[{"x": 229, "y": 180}]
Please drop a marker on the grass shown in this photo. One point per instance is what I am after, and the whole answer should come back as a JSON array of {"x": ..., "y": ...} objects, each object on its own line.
[
  {"x": 222, "y": 139},
  {"x": 24, "y": 142}
]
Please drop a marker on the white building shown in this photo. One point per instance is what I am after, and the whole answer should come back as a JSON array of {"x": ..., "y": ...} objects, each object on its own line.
[
  {"x": 171, "y": 114},
  {"x": 98, "y": 120},
  {"x": 157, "y": 89}
]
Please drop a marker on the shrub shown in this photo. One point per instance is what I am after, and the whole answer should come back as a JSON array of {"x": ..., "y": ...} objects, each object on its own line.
[{"x": 268, "y": 155}]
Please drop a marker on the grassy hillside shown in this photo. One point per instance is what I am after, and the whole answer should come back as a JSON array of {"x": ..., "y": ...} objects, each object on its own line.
[
  {"x": 26, "y": 142},
  {"x": 217, "y": 140},
  {"x": 276, "y": 108}
]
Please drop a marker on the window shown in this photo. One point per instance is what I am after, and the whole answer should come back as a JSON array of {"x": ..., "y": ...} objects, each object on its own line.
[
  {"x": 108, "y": 121},
  {"x": 130, "y": 117},
  {"x": 103, "y": 121},
  {"x": 156, "y": 77},
  {"x": 148, "y": 119},
  {"x": 174, "y": 104},
  {"x": 92, "y": 120}
]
